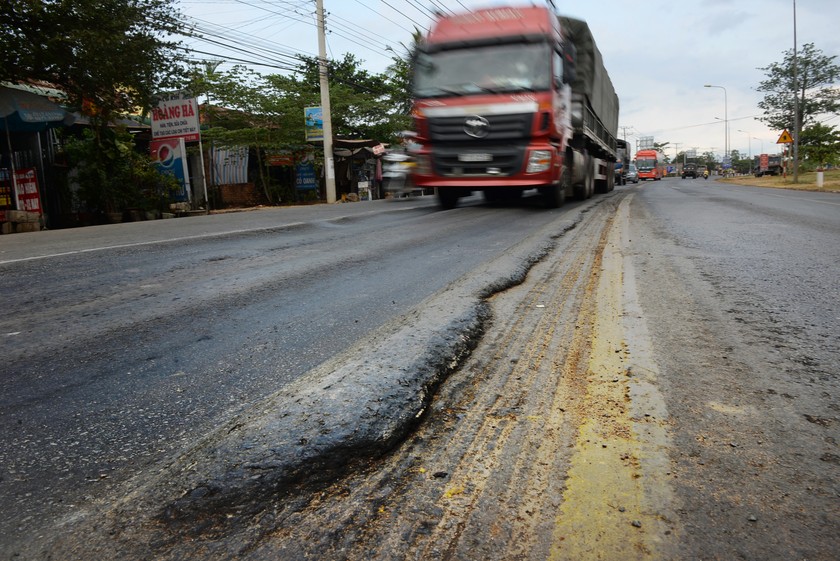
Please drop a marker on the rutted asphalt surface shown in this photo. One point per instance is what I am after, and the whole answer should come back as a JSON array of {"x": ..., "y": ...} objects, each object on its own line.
[
  {"x": 417, "y": 350},
  {"x": 745, "y": 361}
]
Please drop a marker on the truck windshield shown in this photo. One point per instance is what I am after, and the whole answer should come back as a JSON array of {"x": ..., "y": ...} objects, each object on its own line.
[
  {"x": 645, "y": 165},
  {"x": 496, "y": 68}
]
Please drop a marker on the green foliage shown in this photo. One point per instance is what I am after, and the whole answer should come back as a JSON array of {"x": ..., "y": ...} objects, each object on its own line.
[
  {"x": 708, "y": 159},
  {"x": 820, "y": 145},
  {"x": 812, "y": 88},
  {"x": 112, "y": 175},
  {"x": 266, "y": 113},
  {"x": 111, "y": 53},
  {"x": 399, "y": 77},
  {"x": 661, "y": 146},
  {"x": 364, "y": 105}
]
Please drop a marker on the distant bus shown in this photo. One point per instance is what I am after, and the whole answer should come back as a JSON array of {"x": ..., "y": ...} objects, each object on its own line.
[{"x": 650, "y": 164}]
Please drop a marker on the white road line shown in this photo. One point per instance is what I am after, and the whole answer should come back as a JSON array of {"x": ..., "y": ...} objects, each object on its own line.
[
  {"x": 150, "y": 242},
  {"x": 200, "y": 236}
]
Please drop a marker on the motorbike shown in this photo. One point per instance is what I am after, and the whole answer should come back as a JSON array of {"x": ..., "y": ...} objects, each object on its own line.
[
  {"x": 396, "y": 174},
  {"x": 706, "y": 174}
]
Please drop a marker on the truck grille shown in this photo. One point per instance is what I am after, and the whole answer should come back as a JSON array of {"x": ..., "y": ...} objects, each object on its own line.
[
  {"x": 503, "y": 160},
  {"x": 502, "y": 128},
  {"x": 502, "y": 150}
]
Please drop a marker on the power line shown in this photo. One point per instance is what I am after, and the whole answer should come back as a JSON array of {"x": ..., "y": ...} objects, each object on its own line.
[
  {"x": 405, "y": 15},
  {"x": 387, "y": 18},
  {"x": 345, "y": 31},
  {"x": 246, "y": 42},
  {"x": 423, "y": 10},
  {"x": 248, "y": 45},
  {"x": 229, "y": 58}
]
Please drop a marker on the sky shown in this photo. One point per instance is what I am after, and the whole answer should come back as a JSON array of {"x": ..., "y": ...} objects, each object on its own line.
[{"x": 659, "y": 54}]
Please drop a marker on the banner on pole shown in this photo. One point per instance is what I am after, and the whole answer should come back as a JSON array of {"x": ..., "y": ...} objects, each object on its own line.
[{"x": 313, "y": 123}]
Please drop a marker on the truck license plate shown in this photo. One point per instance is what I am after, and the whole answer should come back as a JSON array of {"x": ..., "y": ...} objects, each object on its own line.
[{"x": 475, "y": 157}]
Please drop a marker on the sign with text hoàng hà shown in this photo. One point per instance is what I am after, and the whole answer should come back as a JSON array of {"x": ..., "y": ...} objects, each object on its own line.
[{"x": 176, "y": 116}]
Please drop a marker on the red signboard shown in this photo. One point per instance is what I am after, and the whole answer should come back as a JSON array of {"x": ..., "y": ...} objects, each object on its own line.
[
  {"x": 24, "y": 190},
  {"x": 27, "y": 190},
  {"x": 281, "y": 159}
]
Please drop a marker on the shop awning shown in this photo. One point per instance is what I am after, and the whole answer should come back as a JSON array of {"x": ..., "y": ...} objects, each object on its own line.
[{"x": 23, "y": 111}]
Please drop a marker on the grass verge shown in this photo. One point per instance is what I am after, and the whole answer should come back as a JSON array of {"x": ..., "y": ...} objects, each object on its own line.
[{"x": 807, "y": 181}]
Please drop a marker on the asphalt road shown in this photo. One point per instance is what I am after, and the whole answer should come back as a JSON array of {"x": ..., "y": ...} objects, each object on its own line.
[
  {"x": 739, "y": 289},
  {"x": 123, "y": 344},
  {"x": 682, "y": 333},
  {"x": 663, "y": 385},
  {"x": 776, "y": 247}
]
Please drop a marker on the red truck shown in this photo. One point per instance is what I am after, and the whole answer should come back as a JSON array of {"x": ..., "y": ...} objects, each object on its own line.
[{"x": 510, "y": 99}]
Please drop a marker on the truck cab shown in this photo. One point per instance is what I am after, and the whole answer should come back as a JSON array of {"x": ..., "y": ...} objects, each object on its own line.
[
  {"x": 689, "y": 170},
  {"x": 489, "y": 94}
]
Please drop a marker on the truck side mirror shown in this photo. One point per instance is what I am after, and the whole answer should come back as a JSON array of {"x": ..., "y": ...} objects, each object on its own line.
[{"x": 568, "y": 73}]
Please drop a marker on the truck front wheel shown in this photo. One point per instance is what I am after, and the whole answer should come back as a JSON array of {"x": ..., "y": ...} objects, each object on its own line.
[
  {"x": 554, "y": 196},
  {"x": 447, "y": 198}
]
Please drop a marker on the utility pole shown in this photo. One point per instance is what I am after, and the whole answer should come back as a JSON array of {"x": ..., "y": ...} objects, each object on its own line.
[
  {"x": 329, "y": 165},
  {"x": 796, "y": 123}
]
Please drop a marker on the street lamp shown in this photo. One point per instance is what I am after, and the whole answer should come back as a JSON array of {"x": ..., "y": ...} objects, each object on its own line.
[
  {"x": 749, "y": 143},
  {"x": 725, "y": 117}
]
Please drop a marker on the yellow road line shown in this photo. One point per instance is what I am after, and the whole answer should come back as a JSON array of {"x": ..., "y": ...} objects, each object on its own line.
[{"x": 608, "y": 510}]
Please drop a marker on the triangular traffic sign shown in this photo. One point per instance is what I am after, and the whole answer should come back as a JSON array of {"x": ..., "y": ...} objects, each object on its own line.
[{"x": 785, "y": 138}]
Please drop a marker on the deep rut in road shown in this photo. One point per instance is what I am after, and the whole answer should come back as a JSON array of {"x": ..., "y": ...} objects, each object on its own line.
[{"x": 529, "y": 447}]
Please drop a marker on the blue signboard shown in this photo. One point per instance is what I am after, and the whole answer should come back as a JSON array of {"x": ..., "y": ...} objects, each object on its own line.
[
  {"x": 305, "y": 177},
  {"x": 169, "y": 156}
]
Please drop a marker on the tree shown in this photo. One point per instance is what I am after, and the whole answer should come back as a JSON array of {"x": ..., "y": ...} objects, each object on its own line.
[
  {"x": 661, "y": 146},
  {"x": 360, "y": 101},
  {"x": 108, "y": 55},
  {"x": 820, "y": 144},
  {"x": 399, "y": 80},
  {"x": 264, "y": 113},
  {"x": 708, "y": 159},
  {"x": 812, "y": 88}
]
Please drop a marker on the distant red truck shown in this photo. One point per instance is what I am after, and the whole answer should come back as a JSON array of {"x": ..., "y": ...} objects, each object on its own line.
[{"x": 510, "y": 99}]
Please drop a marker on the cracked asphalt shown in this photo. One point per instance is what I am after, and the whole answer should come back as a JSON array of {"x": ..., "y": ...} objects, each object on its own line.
[{"x": 641, "y": 378}]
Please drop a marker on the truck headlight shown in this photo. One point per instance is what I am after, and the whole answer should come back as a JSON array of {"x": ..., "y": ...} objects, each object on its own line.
[{"x": 538, "y": 161}]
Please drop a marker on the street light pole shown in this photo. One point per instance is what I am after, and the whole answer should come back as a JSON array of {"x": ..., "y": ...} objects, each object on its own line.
[
  {"x": 725, "y": 118},
  {"x": 749, "y": 149}
]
